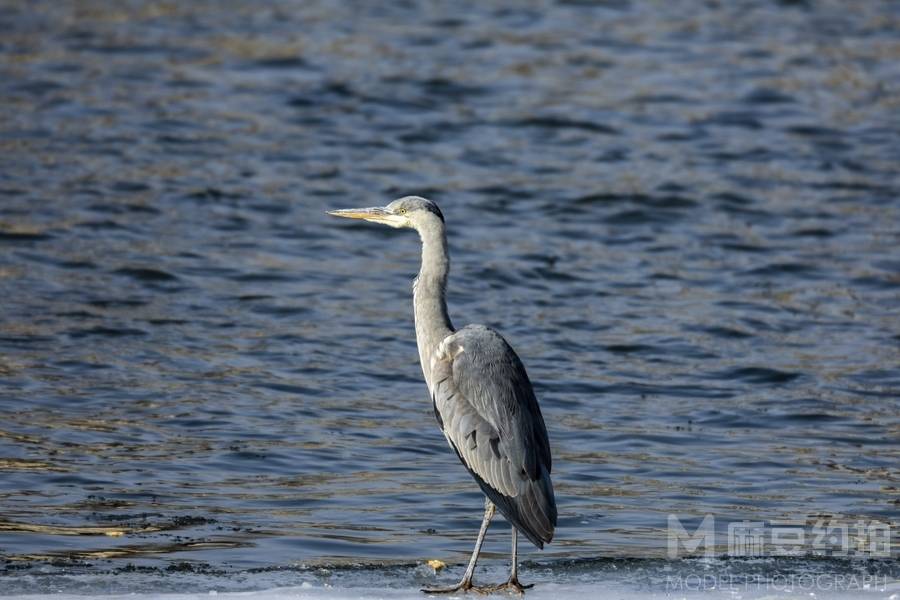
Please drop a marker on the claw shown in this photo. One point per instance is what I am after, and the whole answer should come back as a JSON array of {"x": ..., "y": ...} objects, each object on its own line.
[
  {"x": 512, "y": 585},
  {"x": 462, "y": 586}
]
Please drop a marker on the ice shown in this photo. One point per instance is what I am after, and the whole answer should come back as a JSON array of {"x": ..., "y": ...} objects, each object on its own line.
[
  {"x": 580, "y": 579},
  {"x": 309, "y": 591}
]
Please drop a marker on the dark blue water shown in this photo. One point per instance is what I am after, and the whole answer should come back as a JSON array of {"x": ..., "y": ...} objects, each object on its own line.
[{"x": 683, "y": 216}]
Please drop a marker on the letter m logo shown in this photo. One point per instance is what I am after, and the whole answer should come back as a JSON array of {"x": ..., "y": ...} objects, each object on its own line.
[{"x": 704, "y": 535}]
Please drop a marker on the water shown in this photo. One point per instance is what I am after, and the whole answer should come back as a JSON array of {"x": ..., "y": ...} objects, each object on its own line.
[{"x": 684, "y": 218}]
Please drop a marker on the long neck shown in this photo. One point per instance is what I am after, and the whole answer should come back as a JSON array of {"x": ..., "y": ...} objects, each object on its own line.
[{"x": 429, "y": 290}]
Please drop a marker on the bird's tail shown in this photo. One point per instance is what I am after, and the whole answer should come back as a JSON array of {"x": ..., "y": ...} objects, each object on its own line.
[{"x": 533, "y": 512}]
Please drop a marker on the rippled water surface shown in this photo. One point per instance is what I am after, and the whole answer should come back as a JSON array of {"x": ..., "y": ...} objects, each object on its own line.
[{"x": 684, "y": 217}]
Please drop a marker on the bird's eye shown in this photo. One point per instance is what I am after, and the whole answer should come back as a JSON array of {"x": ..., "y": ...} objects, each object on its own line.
[{"x": 401, "y": 211}]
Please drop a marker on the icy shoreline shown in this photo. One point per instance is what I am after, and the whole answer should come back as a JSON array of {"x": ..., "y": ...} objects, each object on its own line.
[
  {"x": 578, "y": 578},
  {"x": 550, "y": 591}
]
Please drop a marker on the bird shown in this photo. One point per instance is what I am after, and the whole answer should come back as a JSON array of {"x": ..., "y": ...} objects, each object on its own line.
[{"x": 482, "y": 398}]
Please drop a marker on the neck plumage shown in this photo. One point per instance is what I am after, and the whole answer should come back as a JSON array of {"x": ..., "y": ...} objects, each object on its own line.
[{"x": 429, "y": 289}]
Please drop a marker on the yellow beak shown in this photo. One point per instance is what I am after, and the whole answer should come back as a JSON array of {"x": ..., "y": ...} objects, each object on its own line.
[{"x": 376, "y": 213}]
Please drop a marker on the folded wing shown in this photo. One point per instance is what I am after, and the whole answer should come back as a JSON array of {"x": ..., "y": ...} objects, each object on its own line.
[{"x": 487, "y": 410}]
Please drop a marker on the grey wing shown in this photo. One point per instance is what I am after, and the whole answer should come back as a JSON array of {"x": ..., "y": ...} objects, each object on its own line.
[{"x": 487, "y": 410}]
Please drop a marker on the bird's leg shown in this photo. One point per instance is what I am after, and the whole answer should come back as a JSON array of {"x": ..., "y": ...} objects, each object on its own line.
[
  {"x": 466, "y": 583},
  {"x": 514, "y": 570},
  {"x": 513, "y": 583}
]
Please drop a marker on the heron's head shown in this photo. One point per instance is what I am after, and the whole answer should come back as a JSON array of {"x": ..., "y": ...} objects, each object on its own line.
[{"x": 411, "y": 211}]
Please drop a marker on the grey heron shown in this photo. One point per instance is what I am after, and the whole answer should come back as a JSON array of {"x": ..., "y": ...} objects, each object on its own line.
[{"x": 481, "y": 395}]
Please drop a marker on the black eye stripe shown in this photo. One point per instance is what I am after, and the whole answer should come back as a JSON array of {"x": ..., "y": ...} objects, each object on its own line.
[{"x": 420, "y": 204}]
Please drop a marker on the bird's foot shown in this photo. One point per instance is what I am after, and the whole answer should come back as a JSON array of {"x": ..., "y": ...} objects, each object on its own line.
[
  {"x": 463, "y": 586},
  {"x": 513, "y": 586}
]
